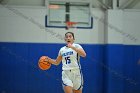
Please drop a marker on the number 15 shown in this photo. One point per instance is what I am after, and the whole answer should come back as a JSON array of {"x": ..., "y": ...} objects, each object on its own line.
[{"x": 68, "y": 61}]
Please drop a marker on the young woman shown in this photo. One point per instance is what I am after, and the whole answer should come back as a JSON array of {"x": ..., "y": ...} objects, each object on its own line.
[{"x": 71, "y": 70}]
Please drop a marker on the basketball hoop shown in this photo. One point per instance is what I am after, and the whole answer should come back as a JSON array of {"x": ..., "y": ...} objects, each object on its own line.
[{"x": 71, "y": 24}]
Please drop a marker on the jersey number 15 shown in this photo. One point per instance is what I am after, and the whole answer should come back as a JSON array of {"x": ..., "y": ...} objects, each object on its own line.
[{"x": 68, "y": 61}]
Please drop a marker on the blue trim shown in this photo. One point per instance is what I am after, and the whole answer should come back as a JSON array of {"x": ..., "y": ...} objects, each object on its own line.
[
  {"x": 78, "y": 61},
  {"x": 64, "y": 84},
  {"x": 81, "y": 80},
  {"x": 47, "y": 25},
  {"x": 79, "y": 87}
]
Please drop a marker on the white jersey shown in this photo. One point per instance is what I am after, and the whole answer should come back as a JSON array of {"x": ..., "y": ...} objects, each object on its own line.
[{"x": 70, "y": 58}]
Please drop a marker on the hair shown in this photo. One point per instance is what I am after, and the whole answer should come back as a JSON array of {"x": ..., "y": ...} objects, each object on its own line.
[{"x": 71, "y": 34}]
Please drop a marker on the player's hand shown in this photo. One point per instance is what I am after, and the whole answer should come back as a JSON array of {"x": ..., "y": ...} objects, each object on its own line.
[
  {"x": 47, "y": 59},
  {"x": 42, "y": 58},
  {"x": 69, "y": 45}
]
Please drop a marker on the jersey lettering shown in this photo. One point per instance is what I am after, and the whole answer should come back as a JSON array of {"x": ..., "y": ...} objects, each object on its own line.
[{"x": 67, "y": 53}]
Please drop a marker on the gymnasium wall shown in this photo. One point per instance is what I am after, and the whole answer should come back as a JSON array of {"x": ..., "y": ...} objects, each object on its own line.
[
  {"x": 132, "y": 50},
  {"x": 32, "y": 19},
  {"x": 106, "y": 69},
  {"x": 24, "y": 39},
  {"x": 122, "y": 51}
]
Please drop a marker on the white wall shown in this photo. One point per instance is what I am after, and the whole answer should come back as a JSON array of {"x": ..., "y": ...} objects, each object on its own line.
[
  {"x": 137, "y": 6},
  {"x": 131, "y": 26},
  {"x": 95, "y": 3},
  {"x": 25, "y": 2},
  {"x": 130, "y": 4},
  {"x": 114, "y": 27},
  {"x": 27, "y": 24},
  {"x": 16, "y": 24},
  {"x": 123, "y": 27}
]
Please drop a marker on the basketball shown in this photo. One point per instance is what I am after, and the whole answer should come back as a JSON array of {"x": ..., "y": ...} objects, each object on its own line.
[{"x": 42, "y": 64}]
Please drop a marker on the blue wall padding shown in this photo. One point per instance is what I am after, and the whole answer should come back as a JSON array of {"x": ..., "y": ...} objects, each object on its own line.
[
  {"x": 131, "y": 69},
  {"x": 114, "y": 68},
  {"x": 111, "y": 68}
]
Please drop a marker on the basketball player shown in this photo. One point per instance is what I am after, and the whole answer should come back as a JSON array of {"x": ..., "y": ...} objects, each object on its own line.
[{"x": 71, "y": 71}]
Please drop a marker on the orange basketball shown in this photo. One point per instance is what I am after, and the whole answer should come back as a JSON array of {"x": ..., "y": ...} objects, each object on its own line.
[{"x": 43, "y": 65}]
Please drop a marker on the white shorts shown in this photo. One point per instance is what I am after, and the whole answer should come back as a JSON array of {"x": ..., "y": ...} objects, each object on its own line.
[{"x": 73, "y": 78}]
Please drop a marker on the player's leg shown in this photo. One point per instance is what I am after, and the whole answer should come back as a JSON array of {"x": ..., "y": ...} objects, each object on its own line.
[
  {"x": 77, "y": 91},
  {"x": 68, "y": 89},
  {"x": 77, "y": 82},
  {"x": 67, "y": 83}
]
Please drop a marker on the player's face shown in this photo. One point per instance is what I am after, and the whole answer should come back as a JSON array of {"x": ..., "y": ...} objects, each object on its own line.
[{"x": 69, "y": 38}]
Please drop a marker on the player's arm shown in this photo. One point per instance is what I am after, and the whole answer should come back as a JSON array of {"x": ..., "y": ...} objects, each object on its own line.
[
  {"x": 80, "y": 51},
  {"x": 55, "y": 62}
]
